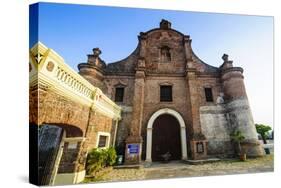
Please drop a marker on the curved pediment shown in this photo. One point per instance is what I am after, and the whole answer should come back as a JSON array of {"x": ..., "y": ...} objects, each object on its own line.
[
  {"x": 126, "y": 65},
  {"x": 163, "y": 50},
  {"x": 171, "y": 32}
]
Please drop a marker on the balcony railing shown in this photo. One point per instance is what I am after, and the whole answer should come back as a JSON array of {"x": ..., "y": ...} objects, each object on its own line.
[{"x": 48, "y": 69}]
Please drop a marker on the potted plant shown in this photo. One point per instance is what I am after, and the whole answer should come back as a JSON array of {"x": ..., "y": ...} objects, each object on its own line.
[{"x": 238, "y": 137}]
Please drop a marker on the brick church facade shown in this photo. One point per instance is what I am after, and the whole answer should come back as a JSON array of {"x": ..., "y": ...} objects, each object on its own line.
[
  {"x": 172, "y": 102},
  {"x": 161, "y": 102}
]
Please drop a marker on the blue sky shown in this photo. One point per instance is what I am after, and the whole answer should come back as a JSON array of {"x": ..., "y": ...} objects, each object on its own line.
[{"x": 73, "y": 30}]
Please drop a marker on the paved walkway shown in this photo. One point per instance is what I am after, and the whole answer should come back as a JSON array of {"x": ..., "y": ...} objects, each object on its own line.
[{"x": 179, "y": 169}]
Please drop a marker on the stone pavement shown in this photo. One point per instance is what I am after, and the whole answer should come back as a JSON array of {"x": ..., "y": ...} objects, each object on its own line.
[{"x": 178, "y": 169}]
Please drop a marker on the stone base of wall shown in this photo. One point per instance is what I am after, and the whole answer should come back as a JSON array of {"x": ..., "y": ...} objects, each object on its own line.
[
  {"x": 69, "y": 178},
  {"x": 219, "y": 121},
  {"x": 253, "y": 148},
  {"x": 215, "y": 127},
  {"x": 220, "y": 148}
]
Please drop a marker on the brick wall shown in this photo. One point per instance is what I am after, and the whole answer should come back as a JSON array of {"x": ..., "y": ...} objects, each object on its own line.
[
  {"x": 99, "y": 123},
  {"x": 47, "y": 107},
  {"x": 58, "y": 110}
]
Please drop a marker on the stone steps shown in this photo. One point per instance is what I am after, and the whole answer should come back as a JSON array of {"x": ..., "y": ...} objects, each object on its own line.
[
  {"x": 202, "y": 161},
  {"x": 136, "y": 166}
]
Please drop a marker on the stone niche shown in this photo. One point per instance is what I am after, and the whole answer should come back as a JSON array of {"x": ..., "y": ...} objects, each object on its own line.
[{"x": 199, "y": 149}]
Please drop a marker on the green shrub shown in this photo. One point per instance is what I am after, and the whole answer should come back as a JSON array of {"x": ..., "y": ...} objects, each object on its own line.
[
  {"x": 111, "y": 156},
  {"x": 263, "y": 131},
  {"x": 99, "y": 158},
  {"x": 237, "y": 136}
]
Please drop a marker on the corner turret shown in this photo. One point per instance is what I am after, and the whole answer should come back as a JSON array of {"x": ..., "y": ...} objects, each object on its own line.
[
  {"x": 238, "y": 108},
  {"x": 93, "y": 70}
]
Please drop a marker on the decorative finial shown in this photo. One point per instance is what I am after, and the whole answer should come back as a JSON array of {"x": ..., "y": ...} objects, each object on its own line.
[
  {"x": 165, "y": 24},
  {"x": 225, "y": 57},
  {"x": 96, "y": 52},
  {"x": 142, "y": 35},
  {"x": 226, "y": 62}
]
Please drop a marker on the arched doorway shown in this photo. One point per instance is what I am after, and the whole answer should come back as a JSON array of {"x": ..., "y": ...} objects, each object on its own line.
[
  {"x": 151, "y": 129},
  {"x": 166, "y": 138}
]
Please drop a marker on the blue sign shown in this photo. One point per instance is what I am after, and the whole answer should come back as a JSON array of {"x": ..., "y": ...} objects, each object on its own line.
[{"x": 133, "y": 148}]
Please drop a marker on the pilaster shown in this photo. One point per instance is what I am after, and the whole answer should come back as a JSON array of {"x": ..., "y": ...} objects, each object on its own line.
[
  {"x": 198, "y": 141},
  {"x": 134, "y": 141}
]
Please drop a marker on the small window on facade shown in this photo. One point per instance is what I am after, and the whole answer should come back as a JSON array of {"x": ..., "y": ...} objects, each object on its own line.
[
  {"x": 209, "y": 94},
  {"x": 102, "y": 141},
  {"x": 119, "y": 94},
  {"x": 166, "y": 93},
  {"x": 165, "y": 54}
]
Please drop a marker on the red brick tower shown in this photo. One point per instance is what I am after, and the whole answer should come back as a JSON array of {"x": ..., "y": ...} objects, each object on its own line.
[
  {"x": 237, "y": 104},
  {"x": 93, "y": 69}
]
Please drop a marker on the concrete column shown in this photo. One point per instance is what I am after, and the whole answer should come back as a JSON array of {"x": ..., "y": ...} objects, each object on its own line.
[
  {"x": 115, "y": 133},
  {"x": 183, "y": 143},
  {"x": 148, "y": 145}
]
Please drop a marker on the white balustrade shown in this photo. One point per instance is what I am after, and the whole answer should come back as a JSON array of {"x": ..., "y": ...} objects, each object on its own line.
[{"x": 69, "y": 82}]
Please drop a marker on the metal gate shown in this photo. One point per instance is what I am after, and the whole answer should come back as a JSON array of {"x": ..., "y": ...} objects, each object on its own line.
[{"x": 48, "y": 145}]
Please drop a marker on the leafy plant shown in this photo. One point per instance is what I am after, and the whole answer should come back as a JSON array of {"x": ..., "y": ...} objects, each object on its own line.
[
  {"x": 263, "y": 131},
  {"x": 98, "y": 159},
  {"x": 111, "y": 156},
  {"x": 237, "y": 137}
]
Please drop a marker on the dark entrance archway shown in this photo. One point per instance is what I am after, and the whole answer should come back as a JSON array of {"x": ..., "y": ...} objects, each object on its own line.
[{"x": 166, "y": 138}]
